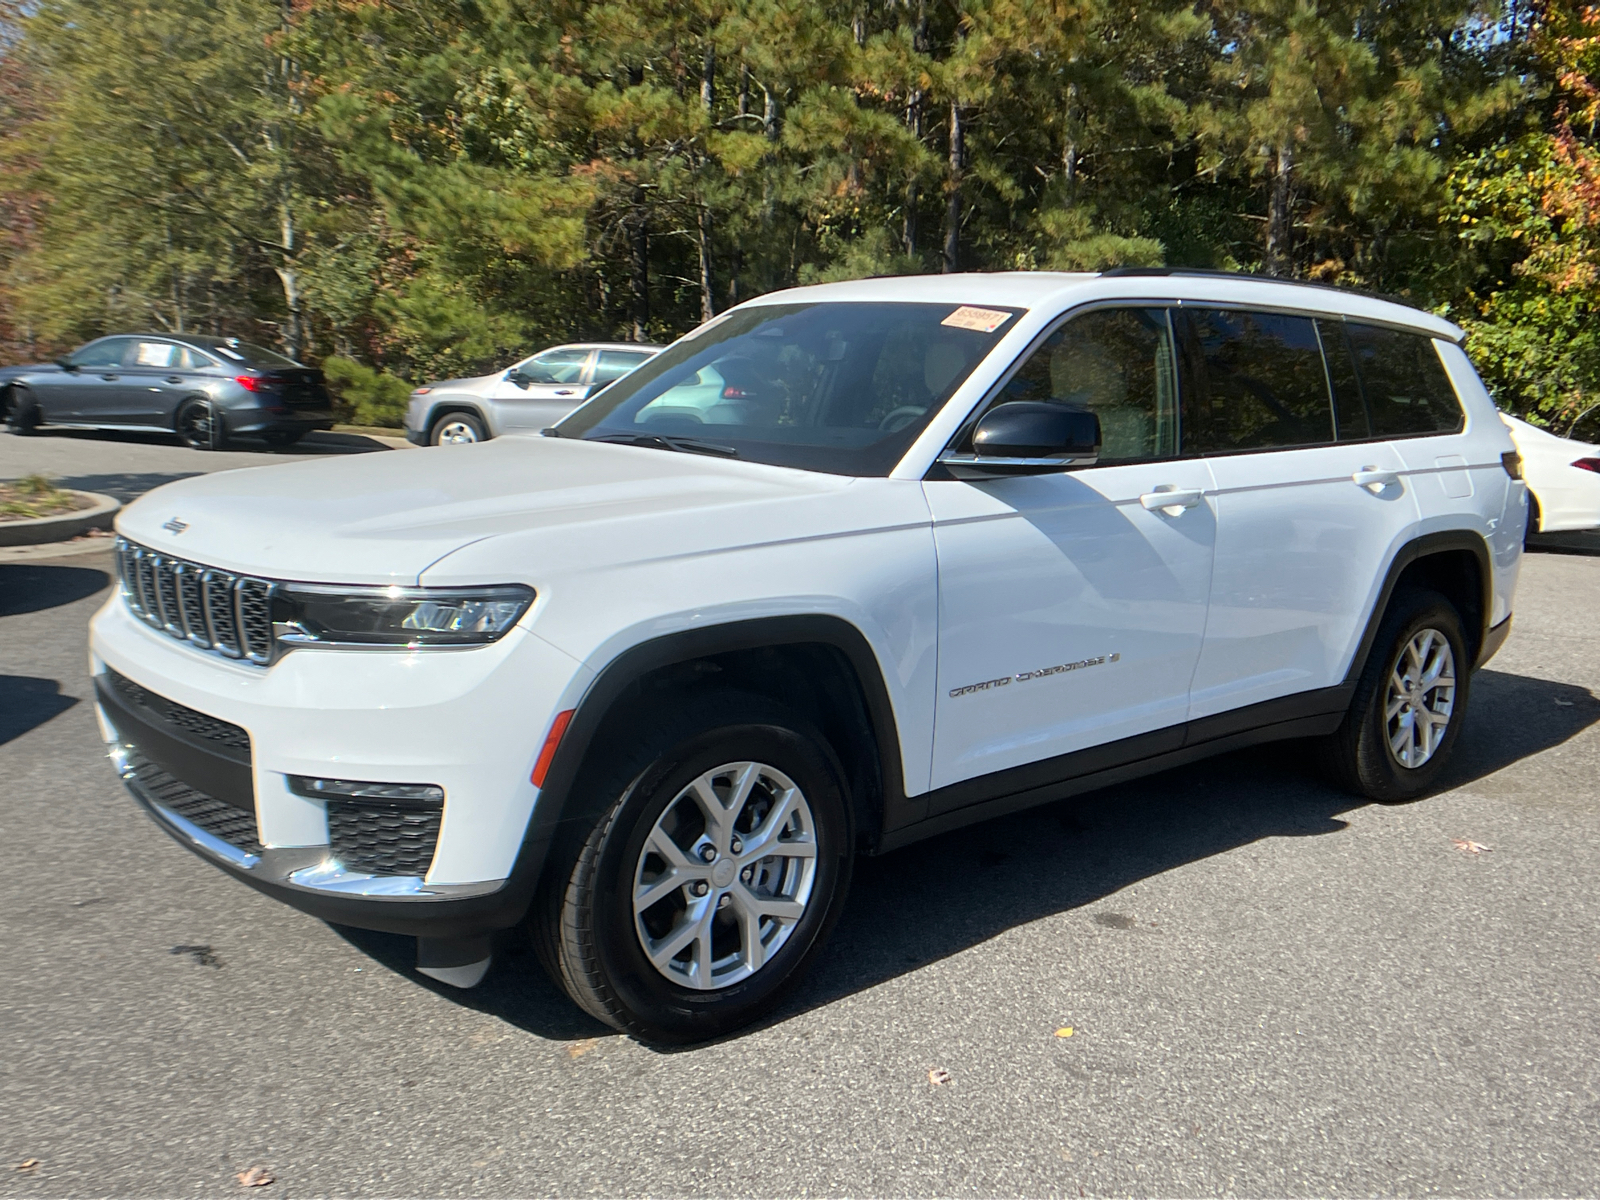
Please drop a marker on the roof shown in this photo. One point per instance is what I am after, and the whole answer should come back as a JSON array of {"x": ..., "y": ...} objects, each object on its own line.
[{"x": 1031, "y": 289}]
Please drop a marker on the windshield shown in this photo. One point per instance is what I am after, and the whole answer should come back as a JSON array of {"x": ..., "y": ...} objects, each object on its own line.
[{"x": 837, "y": 387}]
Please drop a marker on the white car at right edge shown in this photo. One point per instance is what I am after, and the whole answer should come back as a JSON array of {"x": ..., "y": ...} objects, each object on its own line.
[
  {"x": 1563, "y": 478},
  {"x": 849, "y": 566}
]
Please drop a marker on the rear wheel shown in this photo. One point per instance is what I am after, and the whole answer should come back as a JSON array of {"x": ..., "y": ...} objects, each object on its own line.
[
  {"x": 22, "y": 413},
  {"x": 1408, "y": 706},
  {"x": 457, "y": 429},
  {"x": 708, "y": 885},
  {"x": 200, "y": 427}
]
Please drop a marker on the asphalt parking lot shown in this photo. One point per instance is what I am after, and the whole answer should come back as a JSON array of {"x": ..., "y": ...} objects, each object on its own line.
[{"x": 1273, "y": 989}]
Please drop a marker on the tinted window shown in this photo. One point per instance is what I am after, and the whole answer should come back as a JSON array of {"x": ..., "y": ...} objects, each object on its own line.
[
  {"x": 1350, "y": 410},
  {"x": 106, "y": 353},
  {"x": 614, "y": 364},
  {"x": 555, "y": 366},
  {"x": 1118, "y": 364},
  {"x": 234, "y": 351},
  {"x": 838, "y": 387},
  {"x": 1258, "y": 382},
  {"x": 153, "y": 354},
  {"x": 1405, "y": 385},
  {"x": 192, "y": 360}
]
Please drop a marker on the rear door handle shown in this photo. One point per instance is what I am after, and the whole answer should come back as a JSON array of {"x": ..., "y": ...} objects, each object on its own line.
[
  {"x": 1170, "y": 500},
  {"x": 1375, "y": 480}
]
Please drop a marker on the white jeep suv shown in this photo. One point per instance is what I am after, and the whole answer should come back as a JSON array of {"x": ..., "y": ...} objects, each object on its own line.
[{"x": 938, "y": 549}]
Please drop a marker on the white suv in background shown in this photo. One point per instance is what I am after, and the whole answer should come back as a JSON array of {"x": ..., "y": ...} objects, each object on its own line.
[
  {"x": 524, "y": 398},
  {"x": 936, "y": 549}
]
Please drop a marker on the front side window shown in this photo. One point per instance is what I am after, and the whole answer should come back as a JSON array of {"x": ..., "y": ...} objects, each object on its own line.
[
  {"x": 842, "y": 387},
  {"x": 1257, "y": 382},
  {"x": 1407, "y": 391},
  {"x": 554, "y": 366},
  {"x": 108, "y": 352},
  {"x": 1118, "y": 364}
]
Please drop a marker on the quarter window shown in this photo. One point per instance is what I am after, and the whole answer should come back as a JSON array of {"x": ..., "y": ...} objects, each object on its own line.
[
  {"x": 1404, "y": 383},
  {"x": 1258, "y": 382},
  {"x": 1118, "y": 364}
]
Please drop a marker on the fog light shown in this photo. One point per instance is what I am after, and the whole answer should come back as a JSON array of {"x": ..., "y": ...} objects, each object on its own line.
[{"x": 351, "y": 789}]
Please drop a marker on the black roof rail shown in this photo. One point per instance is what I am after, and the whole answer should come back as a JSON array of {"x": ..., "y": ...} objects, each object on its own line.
[{"x": 1256, "y": 276}]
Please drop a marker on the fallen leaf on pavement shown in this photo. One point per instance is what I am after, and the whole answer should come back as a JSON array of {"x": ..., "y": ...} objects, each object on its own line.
[
  {"x": 1064, "y": 1031},
  {"x": 255, "y": 1177},
  {"x": 938, "y": 1076},
  {"x": 1564, "y": 703},
  {"x": 27, "y": 1164},
  {"x": 1466, "y": 847},
  {"x": 579, "y": 1049}
]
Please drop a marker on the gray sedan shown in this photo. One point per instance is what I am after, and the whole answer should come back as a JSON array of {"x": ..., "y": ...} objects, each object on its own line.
[
  {"x": 525, "y": 398},
  {"x": 204, "y": 389}
]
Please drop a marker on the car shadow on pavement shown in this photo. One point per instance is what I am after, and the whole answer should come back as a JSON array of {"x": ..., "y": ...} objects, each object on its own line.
[
  {"x": 322, "y": 441},
  {"x": 937, "y": 898},
  {"x": 125, "y": 486},
  {"x": 26, "y": 703},
  {"x": 31, "y": 587}
]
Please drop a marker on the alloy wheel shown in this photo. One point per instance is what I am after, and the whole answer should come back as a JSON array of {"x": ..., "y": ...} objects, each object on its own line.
[
  {"x": 1421, "y": 698},
  {"x": 195, "y": 427},
  {"x": 725, "y": 875},
  {"x": 457, "y": 433}
]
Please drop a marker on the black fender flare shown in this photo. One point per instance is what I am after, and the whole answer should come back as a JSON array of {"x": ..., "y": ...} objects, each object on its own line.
[
  {"x": 555, "y": 806},
  {"x": 1413, "y": 551},
  {"x": 444, "y": 407}
]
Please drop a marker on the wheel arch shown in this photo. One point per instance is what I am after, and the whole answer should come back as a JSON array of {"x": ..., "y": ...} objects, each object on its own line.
[
  {"x": 443, "y": 408},
  {"x": 822, "y": 666},
  {"x": 1455, "y": 563}
]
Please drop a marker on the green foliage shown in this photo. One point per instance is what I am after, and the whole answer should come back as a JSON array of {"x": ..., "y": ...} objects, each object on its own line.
[{"x": 368, "y": 396}]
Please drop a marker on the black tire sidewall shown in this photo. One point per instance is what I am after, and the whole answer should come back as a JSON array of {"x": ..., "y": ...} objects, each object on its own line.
[
  {"x": 22, "y": 411},
  {"x": 662, "y": 1008},
  {"x": 1383, "y": 776},
  {"x": 183, "y": 435}
]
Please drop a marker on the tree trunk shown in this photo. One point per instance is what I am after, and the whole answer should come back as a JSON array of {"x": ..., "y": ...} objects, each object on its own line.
[
  {"x": 290, "y": 281},
  {"x": 769, "y": 114},
  {"x": 708, "y": 77},
  {"x": 952, "y": 216},
  {"x": 1280, "y": 228},
  {"x": 744, "y": 91},
  {"x": 708, "y": 301},
  {"x": 735, "y": 265},
  {"x": 914, "y": 112},
  {"x": 639, "y": 260}
]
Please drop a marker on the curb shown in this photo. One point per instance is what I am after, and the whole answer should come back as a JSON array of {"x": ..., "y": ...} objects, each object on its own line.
[{"x": 38, "y": 530}]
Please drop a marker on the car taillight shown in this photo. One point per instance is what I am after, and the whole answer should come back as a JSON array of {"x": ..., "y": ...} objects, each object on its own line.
[
  {"x": 1588, "y": 464},
  {"x": 421, "y": 391},
  {"x": 1512, "y": 462},
  {"x": 254, "y": 383},
  {"x": 732, "y": 393}
]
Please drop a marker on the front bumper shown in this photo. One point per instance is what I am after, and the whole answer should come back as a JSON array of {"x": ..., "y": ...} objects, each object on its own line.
[{"x": 469, "y": 721}]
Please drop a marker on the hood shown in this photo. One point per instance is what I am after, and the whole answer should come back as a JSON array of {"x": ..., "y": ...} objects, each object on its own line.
[
  {"x": 478, "y": 385},
  {"x": 7, "y": 374},
  {"x": 386, "y": 517}
]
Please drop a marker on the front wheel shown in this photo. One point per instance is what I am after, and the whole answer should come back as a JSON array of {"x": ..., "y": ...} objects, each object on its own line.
[
  {"x": 22, "y": 414},
  {"x": 199, "y": 426},
  {"x": 1409, "y": 703},
  {"x": 709, "y": 884},
  {"x": 457, "y": 429}
]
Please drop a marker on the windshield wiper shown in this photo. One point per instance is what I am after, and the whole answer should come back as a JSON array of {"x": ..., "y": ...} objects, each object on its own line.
[{"x": 660, "y": 441}]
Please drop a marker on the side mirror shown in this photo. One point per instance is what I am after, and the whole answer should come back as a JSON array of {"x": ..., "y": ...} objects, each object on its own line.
[
  {"x": 517, "y": 377},
  {"x": 1028, "y": 437},
  {"x": 66, "y": 364}
]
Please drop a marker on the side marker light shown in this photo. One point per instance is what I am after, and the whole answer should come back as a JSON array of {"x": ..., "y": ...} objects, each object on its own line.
[{"x": 553, "y": 739}]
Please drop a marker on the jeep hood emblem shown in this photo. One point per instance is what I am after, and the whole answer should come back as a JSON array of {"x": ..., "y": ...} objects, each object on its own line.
[{"x": 175, "y": 525}]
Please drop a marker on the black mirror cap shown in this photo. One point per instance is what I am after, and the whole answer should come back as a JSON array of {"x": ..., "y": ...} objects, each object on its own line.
[
  {"x": 66, "y": 364},
  {"x": 1034, "y": 429}
]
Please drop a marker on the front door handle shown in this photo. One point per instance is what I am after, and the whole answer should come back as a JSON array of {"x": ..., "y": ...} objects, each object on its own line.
[
  {"x": 1170, "y": 500},
  {"x": 110, "y": 377},
  {"x": 566, "y": 391},
  {"x": 1375, "y": 480},
  {"x": 174, "y": 378}
]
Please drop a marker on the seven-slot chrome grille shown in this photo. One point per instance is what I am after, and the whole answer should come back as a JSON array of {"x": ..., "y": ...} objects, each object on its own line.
[{"x": 214, "y": 610}]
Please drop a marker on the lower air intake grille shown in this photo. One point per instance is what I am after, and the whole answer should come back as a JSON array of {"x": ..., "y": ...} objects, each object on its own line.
[
  {"x": 216, "y": 817},
  {"x": 373, "y": 838},
  {"x": 198, "y": 724}
]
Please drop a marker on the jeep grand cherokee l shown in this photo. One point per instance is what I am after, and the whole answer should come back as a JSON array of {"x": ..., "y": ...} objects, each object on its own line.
[{"x": 958, "y": 546}]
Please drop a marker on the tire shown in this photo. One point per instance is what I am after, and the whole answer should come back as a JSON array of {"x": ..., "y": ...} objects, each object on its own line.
[
  {"x": 1534, "y": 520},
  {"x": 22, "y": 413},
  {"x": 586, "y": 929},
  {"x": 199, "y": 426},
  {"x": 457, "y": 429},
  {"x": 282, "y": 439},
  {"x": 1362, "y": 753}
]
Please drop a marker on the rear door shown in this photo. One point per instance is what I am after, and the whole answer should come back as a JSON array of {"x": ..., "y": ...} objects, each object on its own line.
[
  {"x": 1310, "y": 508},
  {"x": 1072, "y": 605},
  {"x": 152, "y": 381},
  {"x": 553, "y": 384}
]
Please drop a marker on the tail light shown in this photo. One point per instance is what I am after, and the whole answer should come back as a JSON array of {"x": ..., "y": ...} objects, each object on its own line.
[
  {"x": 1588, "y": 464},
  {"x": 1512, "y": 462},
  {"x": 255, "y": 383},
  {"x": 732, "y": 393}
]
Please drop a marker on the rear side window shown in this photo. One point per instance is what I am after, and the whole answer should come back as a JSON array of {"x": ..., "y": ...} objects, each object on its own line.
[
  {"x": 1118, "y": 364},
  {"x": 1257, "y": 382},
  {"x": 154, "y": 354},
  {"x": 1403, "y": 382},
  {"x": 614, "y": 364}
]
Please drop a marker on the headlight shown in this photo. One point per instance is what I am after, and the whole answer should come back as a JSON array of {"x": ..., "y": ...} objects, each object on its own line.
[{"x": 312, "y": 614}]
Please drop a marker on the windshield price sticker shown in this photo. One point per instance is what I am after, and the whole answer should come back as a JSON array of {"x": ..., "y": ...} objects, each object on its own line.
[{"x": 984, "y": 320}]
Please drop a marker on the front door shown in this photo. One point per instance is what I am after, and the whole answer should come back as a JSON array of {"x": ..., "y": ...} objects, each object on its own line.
[
  {"x": 74, "y": 396},
  {"x": 1072, "y": 606},
  {"x": 537, "y": 393}
]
